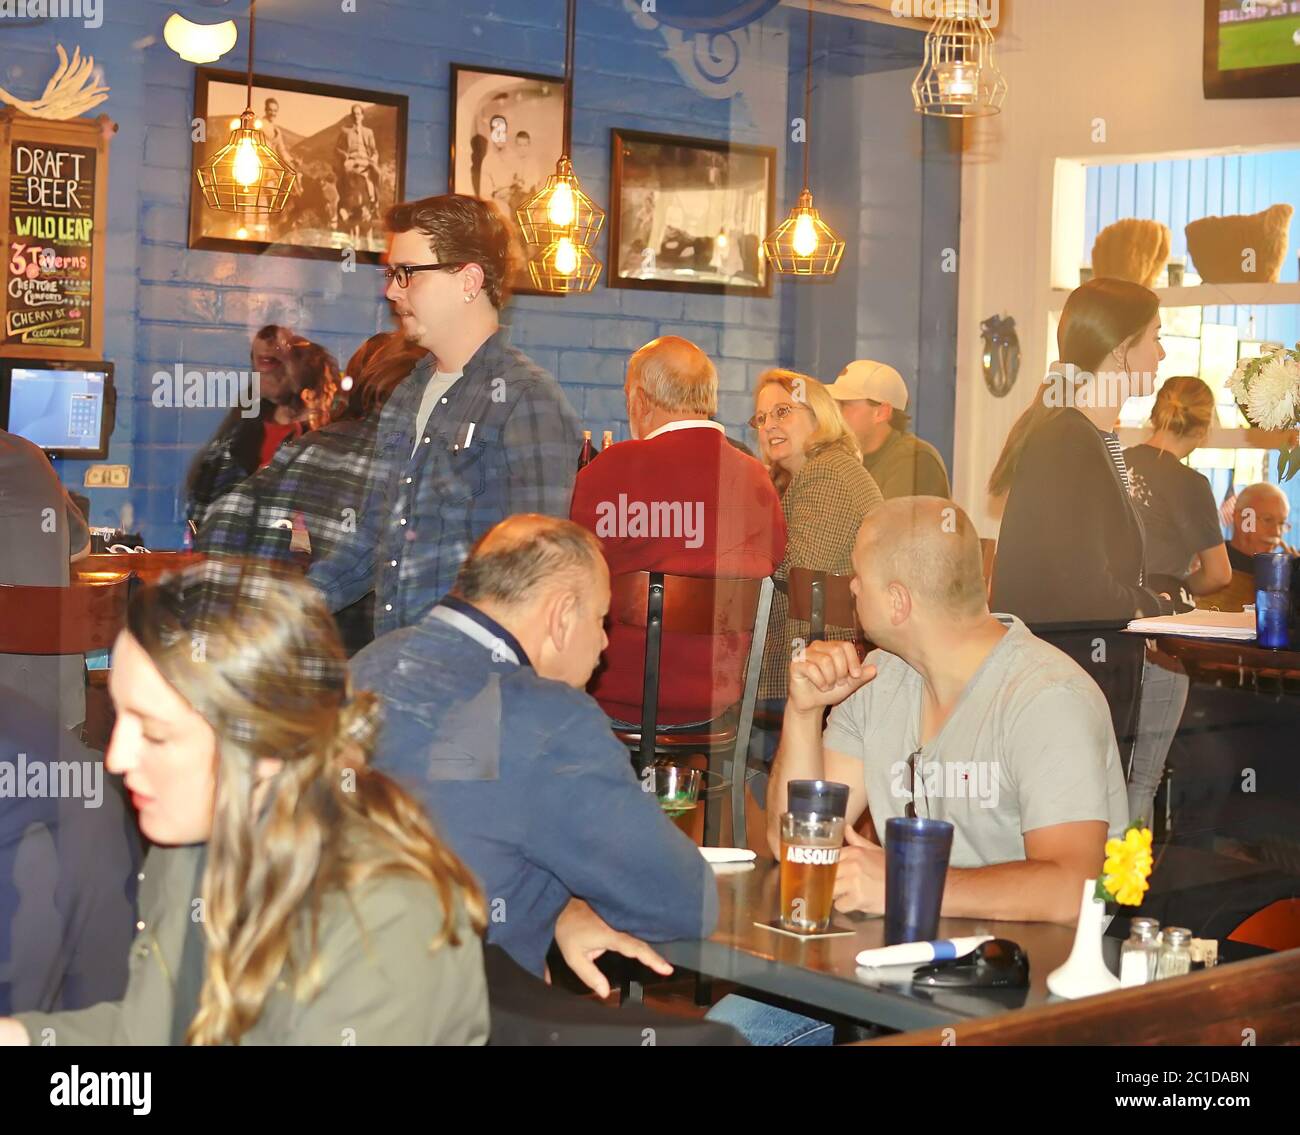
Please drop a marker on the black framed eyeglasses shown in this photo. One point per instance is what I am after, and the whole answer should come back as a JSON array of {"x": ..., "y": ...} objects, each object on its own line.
[
  {"x": 402, "y": 272},
  {"x": 910, "y": 810},
  {"x": 777, "y": 414}
]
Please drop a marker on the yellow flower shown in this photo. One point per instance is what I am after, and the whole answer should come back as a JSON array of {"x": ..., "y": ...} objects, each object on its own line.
[{"x": 1128, "y": 866}]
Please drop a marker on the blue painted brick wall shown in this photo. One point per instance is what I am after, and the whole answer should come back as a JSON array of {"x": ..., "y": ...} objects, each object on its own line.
[{"x": 166, "y": 304}]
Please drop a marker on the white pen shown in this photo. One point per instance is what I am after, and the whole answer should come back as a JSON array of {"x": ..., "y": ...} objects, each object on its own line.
[
  {"x": 469, "y": 434},
  {"x": 918, "y": 953}
]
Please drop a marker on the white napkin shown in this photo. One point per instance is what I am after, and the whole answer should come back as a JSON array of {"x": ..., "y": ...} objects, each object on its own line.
[{"x": 728, "y": 854}]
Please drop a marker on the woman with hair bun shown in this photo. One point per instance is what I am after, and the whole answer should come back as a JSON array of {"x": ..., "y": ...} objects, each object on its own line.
[
  {"x": 294, "y": 895},
  {"x": 1184, "y": 537}
]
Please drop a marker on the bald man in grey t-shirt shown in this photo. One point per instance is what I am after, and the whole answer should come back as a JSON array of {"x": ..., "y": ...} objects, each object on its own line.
[{"x": 962, "y": 716}]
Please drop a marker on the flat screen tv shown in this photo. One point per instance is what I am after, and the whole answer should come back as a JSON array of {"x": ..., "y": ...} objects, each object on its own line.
[
  {"x": 1252, "y": 49},
  {"x": 62, "y": 407}
]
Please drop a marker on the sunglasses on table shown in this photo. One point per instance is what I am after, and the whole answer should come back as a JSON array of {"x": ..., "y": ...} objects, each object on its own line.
[
  {"x": 402, "y": 273},
  {"x": 778, "y": 414}
]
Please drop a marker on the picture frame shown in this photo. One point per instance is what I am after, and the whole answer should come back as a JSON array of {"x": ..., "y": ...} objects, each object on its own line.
[
  {"x": 690, "y": 214},
  {"x": 349, "y": 173},
  {"x": 506, "y": 135}
]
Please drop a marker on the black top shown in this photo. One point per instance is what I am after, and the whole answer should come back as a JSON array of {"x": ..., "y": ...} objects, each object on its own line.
[
  {"x": 1239, "y": 561},
  {"x": 1071, "y": 549},
  {"x": 1177, "y": 508}
]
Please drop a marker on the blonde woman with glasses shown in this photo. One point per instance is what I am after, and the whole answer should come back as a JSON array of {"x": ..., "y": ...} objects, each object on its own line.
[
  {"x": 293, "y": 895},
  {"x": 816, "y": 466}
]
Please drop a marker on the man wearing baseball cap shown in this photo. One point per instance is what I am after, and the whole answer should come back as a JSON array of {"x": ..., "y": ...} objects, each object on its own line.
[{"x": 873, "y": 399}]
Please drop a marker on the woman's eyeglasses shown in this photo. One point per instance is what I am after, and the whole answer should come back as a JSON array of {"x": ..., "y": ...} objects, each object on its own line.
[
  {"x": 402, "y": 272},
  {"x": 777, "y": 414}
]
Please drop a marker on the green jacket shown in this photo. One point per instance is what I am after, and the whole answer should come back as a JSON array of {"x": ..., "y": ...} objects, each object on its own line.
[{"x": 380, "y": 984}]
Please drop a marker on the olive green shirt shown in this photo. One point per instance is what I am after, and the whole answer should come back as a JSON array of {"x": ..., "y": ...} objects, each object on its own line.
[
  {"x": 906, "y": 466},
  {"x": 379, "y": 981}
]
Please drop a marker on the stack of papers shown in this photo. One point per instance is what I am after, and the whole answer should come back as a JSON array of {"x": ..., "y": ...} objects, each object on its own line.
[{"x": 1239, "y": 626}]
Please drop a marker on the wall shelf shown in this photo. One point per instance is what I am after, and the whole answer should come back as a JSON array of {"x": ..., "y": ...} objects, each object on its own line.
[
  {"x": 1208, "y": 295},
  {"x": 1221, "y": 437}
]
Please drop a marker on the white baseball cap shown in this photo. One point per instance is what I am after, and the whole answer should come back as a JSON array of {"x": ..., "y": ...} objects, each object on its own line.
[{"x": 864, "y": 378}]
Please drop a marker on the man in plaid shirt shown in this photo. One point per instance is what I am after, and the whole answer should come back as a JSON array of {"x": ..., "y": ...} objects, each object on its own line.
[{"x": 475, "y": 434}]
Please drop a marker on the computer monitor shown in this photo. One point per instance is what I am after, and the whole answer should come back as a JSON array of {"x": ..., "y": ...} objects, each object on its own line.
[{"x": 59, "y": 406}]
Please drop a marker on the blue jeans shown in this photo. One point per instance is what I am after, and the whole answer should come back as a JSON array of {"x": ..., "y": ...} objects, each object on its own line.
[
  {"x": 1160, "y": 711},
  {"x": 768, "y": 1026}
]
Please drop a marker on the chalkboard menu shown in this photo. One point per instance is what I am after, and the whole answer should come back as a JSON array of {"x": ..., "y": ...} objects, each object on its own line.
[{"x": 53, "y": 180}]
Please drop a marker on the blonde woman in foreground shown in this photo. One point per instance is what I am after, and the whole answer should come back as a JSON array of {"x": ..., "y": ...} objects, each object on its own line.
[{"x": 295, "y": 896}]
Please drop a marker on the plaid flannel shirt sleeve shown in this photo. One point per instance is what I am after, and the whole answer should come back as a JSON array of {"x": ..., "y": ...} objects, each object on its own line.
[
  {"x": 218, "y": 473},
  {"x": 541, "y": 441},
  {"x": 322, "y": 480},
  {"x": 347, "y": 571}
]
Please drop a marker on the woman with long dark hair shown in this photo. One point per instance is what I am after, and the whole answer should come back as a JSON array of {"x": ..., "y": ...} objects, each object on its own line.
[
  {"x": 1071, "y": 551},
  {"x": 294, "y": 895}
]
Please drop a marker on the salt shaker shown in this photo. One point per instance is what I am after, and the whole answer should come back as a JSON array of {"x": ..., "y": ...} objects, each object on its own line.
[
  {"x": 1139, "y": 955},
  {"x": 1175, "y": 952}
]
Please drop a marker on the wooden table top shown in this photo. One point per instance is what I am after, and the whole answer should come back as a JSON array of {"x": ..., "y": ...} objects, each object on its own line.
[
  {"x": 1237, "y": 664},
  {"x": 822, "y": 972}
]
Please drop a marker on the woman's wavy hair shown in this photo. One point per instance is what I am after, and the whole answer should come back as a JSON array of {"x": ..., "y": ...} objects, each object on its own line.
[
  {"x": 255, "y": 652},
  {"x": 1098, "y": 317},
  {"x": 376, "y": 369},
  {"x": 831, "y": 431}
]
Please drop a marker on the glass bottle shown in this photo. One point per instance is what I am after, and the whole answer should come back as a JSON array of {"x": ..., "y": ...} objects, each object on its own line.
[
  {"x": 588, "y": 451},
  {"x": 606, "y": 440},
  {"x": 1139, "y": 955},
  {"x": 1175, "y": 952}
]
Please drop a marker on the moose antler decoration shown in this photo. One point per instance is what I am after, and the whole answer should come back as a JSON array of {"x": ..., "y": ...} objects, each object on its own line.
[{"x": 71, "y": 91}]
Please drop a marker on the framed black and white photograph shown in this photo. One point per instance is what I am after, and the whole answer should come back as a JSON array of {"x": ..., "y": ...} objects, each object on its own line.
[
  {"x": 690, "y": 214},
  {"x": 507, "y": 133},
  {"x": 347, "y": 146}
]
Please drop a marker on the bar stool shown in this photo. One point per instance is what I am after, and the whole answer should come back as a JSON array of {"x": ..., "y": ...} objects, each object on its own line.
[{"x": 659, "y": 602}]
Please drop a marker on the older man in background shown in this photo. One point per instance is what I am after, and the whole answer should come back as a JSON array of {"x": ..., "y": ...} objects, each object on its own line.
[
  {"x": 723, "y": 520},
  {"x": 1258, "y": 525}
]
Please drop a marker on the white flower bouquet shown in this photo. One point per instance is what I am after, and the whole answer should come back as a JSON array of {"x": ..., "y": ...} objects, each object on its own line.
[{"x": 1267, "y": 389}]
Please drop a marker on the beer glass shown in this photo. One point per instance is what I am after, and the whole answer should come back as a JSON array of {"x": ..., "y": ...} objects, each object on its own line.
[{"x": 810, "y": 852}]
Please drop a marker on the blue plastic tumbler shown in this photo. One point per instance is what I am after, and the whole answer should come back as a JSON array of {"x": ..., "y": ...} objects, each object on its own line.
[
  {"x": 1273, "y": 600},
  {"x": 916, "y": 866}
]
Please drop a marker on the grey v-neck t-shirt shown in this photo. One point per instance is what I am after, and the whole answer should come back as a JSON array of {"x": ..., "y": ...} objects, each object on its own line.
[{"x": 1029, "y": 744}]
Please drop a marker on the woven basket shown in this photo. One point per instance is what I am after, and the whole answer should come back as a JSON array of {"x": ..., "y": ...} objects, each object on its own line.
[{"x": 1220, "y": 246}]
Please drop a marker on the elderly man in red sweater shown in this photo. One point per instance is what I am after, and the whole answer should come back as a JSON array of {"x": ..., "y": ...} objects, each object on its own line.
[{"x": 678, "y": 498}]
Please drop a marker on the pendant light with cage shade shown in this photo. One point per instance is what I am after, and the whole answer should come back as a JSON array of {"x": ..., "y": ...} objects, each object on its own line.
[
  {"x": 959, "y": 76},
  {"x": 560, "y": 222},
  {"x": 803, "y": 244},
  {"x": 245, "y": 175}
]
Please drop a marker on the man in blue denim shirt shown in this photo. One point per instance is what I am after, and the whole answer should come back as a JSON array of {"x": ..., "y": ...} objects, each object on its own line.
[
  {"x": 485, "y": 719},
  {"x": 475, "y": 434}
]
